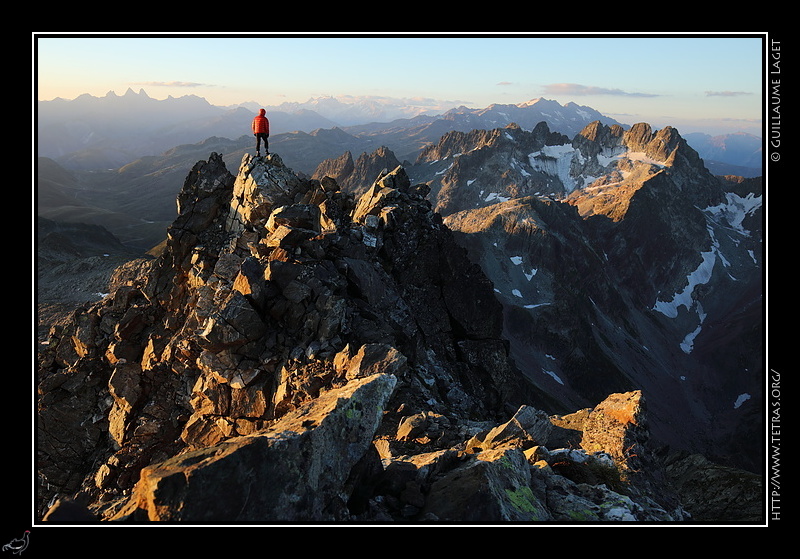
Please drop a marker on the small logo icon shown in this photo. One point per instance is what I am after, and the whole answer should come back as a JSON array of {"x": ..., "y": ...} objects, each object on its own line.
[{"x": 18, "y": 545}]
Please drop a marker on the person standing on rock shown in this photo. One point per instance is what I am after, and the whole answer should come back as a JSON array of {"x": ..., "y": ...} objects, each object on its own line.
[{"x": 261, "y": 132}]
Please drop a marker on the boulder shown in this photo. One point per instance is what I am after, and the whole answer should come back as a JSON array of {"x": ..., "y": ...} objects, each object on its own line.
[
  {"x": 294, "y": 470},
  {"x": 374, "y": 358},
  {"x": 618, "y": 427},
  {"x": 494, "y": 486},
  {"x": 527, "y": 428}
]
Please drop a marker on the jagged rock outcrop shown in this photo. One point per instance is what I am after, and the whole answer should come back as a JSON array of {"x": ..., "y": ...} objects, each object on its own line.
[
  {"x": 264, "y": 284},
  {"x": 339, "y": 169},
  {"x": 355, "y": 177},
  {"x": 299, "y": 354},
  {"x": 482, "y": 167},
  {"x": 610, "y": 166}
]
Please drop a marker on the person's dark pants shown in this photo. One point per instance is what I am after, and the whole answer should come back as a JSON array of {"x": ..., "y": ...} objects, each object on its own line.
[{"x": 259, "y": 138}]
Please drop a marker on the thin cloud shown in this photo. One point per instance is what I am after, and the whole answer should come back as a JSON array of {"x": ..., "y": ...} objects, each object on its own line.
[
  {"x": 389, "y": 102},
  {"x": 172, "y": 84},
  {"x": 578, "y": 89},
  {"x": 726, "y": 93}
]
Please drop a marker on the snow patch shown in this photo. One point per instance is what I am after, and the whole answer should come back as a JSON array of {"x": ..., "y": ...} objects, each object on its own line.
[
  {"x": 688, "y": 342},
  {"x": 610, "y": 156},
  {"x": 741, "y": 400},
  {"x": 555, "y": 376},
  {"x": 443, "y": 171},
  {"x": 699, "y": 276},
  {"x": 495, "y": 196},
  {"x": 643, "y": 158}
]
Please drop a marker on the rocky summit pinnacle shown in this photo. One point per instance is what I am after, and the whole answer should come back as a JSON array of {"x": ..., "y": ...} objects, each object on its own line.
[{"x": 300, "y": 354}]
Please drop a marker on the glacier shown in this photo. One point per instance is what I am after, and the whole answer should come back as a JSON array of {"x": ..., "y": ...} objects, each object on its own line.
[
  {"x": 556, "y": 162},
  {"x": 735, "y": 210}
]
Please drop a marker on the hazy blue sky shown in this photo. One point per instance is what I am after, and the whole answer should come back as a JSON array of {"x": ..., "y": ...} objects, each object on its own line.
[{"x": 689, "y": 82}]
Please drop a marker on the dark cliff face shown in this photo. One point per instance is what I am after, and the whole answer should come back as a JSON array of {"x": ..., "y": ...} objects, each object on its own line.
[{"x": 268, "y": 285}]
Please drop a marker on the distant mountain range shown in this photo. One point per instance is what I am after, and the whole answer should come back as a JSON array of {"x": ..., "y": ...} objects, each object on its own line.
[
  {"x": 118, "y": 161},
  {"x": 740, "y": 150},
  {"x": 91, "y": 133}
]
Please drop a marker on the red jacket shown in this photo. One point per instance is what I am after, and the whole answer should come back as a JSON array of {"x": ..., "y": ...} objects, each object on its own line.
[{"x": 261, "y": 124}]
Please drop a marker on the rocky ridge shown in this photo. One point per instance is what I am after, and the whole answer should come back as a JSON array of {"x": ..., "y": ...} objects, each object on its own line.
[
  {"x": 355, "y": 177},
  {"x": 299, "y": 354}
]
